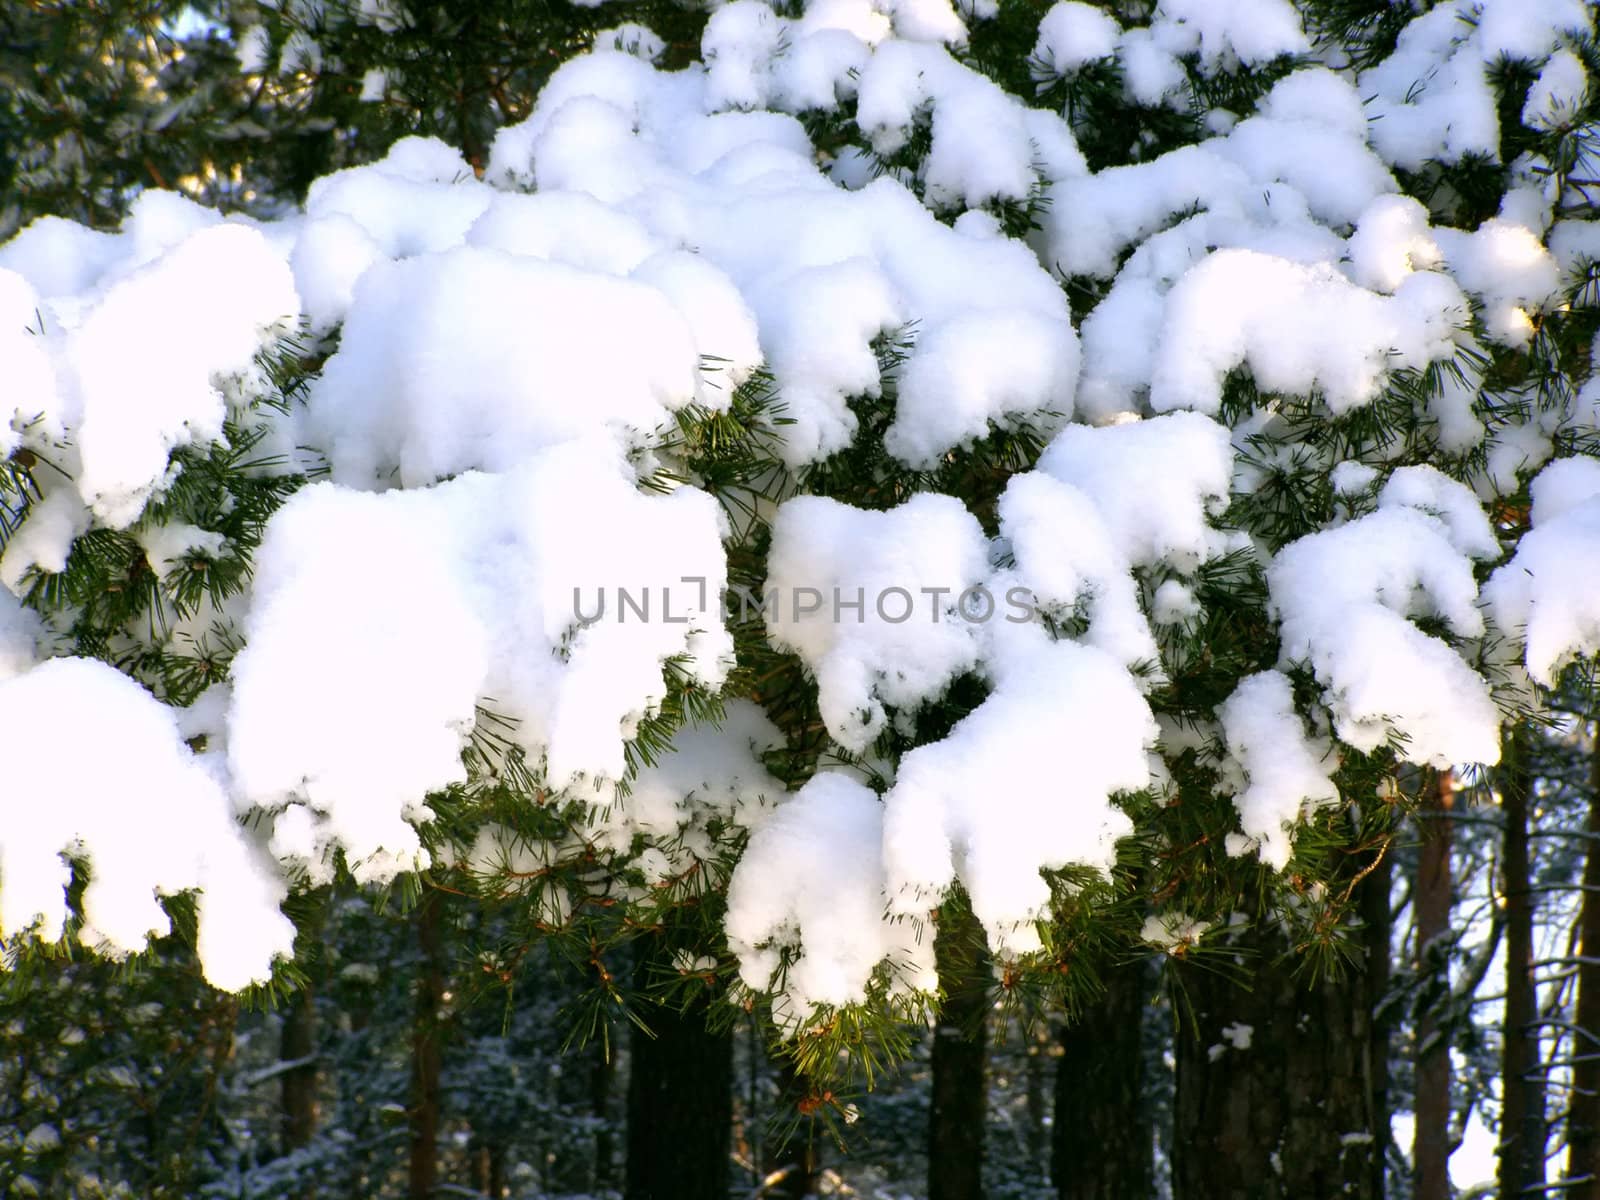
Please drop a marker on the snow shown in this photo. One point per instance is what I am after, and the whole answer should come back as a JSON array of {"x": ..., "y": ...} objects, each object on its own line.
[
  {"x": 1343, "y": 597},
  {"x": 1154, "y": 482},
  {"x": 1557, "y": 95},
  {"x": 1242, "y": 31},
  {"x": 1298, "y": 328},
  {"x": 1288, "y": 772},
  {"x": 1073, "y": 34},
  {"x": 1392, "y": 239},
  {"x": 20, "y": 634},
  {"x": 1504, "y": 265},
  {"x": 414, "y": 607},
  {"x": 496, "y": 517},
  {"x": 1151, "y": 72},
  {"x": 976, "y": 806},
  {"x": 1066, "y": 557},
  {"x": 1546, "y": 595},
  {"x": 59, "y": 257},
  {"x": 471, "y": 359},
  {"x": 421, "y": 196},
  {"x": 709, "y": 775},
  {"x": 868, "y": 602},
  {"x": 1431, "y": 98},
  {"x": 631, "y": 38},
  {"x": 1238, "y": 1035},
  {"x": 824, "y": 272},
  {"x": 812, "y": 882},
  {"x": 980, "y": 369},
  {"x": 980, "y": 141},
  {"x": 1173, "y": 932},
  {"x": 45, "y": 539},
  {"x": 148, "y": 817},
  {"x": 134, "y": 390}
]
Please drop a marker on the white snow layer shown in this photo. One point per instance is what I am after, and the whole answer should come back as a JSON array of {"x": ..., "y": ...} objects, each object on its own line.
[
  {"x": 1546, "y": 594},
  {"x": 1287, "y": 771},
  {"x": 148, "y": 817},
  {"x": 812, "y": 883},
  {"x": 412, "y": 608},
  {"x": 1344, "y": 597},
  {"x": 644, "y": 242}
]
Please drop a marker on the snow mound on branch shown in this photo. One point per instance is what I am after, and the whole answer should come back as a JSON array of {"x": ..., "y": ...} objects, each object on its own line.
[
  {"x": 1232, "y": 31},
  {"x": 1217, "y": 35},
  {"x": 1154, "y": 482},
  {"x": 812, "y": 883},
  {"x": 20, "y": 634},
  {"x": 1344, "y": 597},
  {"x": 412, "y": 608},
  {"x": 1558, "y": 94},
  {"x": 1298, "y": 329},
  {"x": 418, "y": 198},
  {"x": 476, "y": 360},
  {"x": 139, "y": 390},
  {"x": 1288, "y": 772},
  {"x": 828, "y": 273},
  {"x": 59, "y": 257},
  {"x": 1432, "y": 99},
  {"x": 1103, "y": 503},
  {"x": 710, "y": 774},
  {"x": 1068, "y": 561},
  {"x": 958, "y": 805},
  {"x": 31, "y": 379},
  {"x": 1546, "y": 594},
  {"x": 1392, "y": 239},
  {"x": 1505, "y": 266},
  {"x": 1307, "y": 143},
  {"x": 1073, "y": 35},
  {"x": 868, "y": 600},
  {"x": 148, "y": 817},
  {"x": 566, "y": 227},
  {"x": 980, "y": 147},
  {"x": 127, "y": 372}
]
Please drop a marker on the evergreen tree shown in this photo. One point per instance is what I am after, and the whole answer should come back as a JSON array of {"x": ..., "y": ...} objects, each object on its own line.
[{"x": 1285, "y": 458}]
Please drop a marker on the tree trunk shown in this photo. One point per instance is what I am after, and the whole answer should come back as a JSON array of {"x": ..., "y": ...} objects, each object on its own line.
[
  {"x": 602, "y": 1070},
  {"x": 1280, "y": 1087},
  {"x": 298, "y": 1044},
  {"x": 959, "y": 1104},
  {"x": 1038, "y": 1051},
  {"x": 1373, "y": 899},
  {"x": 425, "y": 1052},
  {"x": 792, "y": 1165},
  {"x": 1522, "y": 1131},
  {"x": 680, "y": 1097},
  {"x": 497, "y": 1171},
  {"x": 1102, "y": 1139},
  {"x": 1430, "y": 1153},
  {"x": 1583, "y": 1119},
  {"x": 488, "y": 1162}
]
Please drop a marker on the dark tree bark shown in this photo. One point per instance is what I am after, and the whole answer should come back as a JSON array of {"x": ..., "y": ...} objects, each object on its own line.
[
  {"x": 602, "y": 1073},
  {"x": 298, "y": 1044},
  {"x": 1102, "y": 1139},
  {"x": 1038, "y": 1115},
  {"x": 1301, "y": 1111},
  {"x": 488, "y": 1164},
  {"x": 423, "y": 1166},
  {"x": 792, "y": 1165},
  {"x": 680, "y": 1097},
  {"x": 959, "y": 1104},
  {"x": 1430, "y": 1152},
  {"x": 1522, "y": 1129},
  {"x": 1372, "y": 987},
  {"x": 1583, "y": 1119}
]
